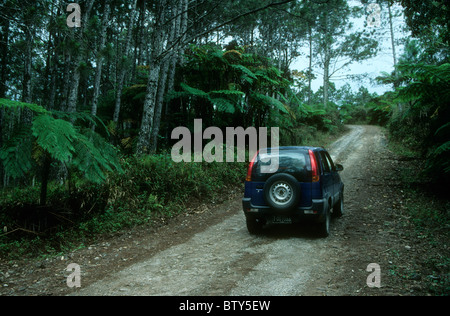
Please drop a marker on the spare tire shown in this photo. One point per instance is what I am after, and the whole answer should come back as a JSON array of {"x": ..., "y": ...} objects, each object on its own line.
[{"x": 282, "y": 192}]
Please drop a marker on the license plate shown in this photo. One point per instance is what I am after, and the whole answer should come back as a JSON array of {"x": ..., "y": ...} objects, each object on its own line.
[{"x": 281, "y": 220}]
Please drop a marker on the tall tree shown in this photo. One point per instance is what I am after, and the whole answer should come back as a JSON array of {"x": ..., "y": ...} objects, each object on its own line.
[
  {"x": 171, "y": 14},
  {"x": 337, "y": 45},
  {"x": 79, "y": 55},
  {"x": 143, "y": 145},
  {"x": 100, "y": 57},
  {"x": 124, "y": 56},
  {"x": 4, "y": 49}
]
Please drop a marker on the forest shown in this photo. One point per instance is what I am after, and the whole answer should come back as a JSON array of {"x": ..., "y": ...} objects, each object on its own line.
[{"x": 91, "y": 91}]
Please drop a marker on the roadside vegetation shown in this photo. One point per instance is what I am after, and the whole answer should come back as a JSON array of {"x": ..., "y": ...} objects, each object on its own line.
[
  {"x": 86, "y": 114},
  {"x": 66, "y": 185}
]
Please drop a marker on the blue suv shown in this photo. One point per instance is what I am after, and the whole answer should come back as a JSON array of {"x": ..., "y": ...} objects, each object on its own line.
[{"x": 304, "y": 184}]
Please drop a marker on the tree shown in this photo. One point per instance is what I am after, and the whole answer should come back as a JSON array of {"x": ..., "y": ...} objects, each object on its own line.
[
  {"x": 124, "y": 61},
  {"x": 425, "y": 17},
  {"x": 79, "y": 55},
  {"x": 158, "y": 52},
  {"x": 100, "y": 57},
  {"x": 338, "y": 48},
  {"x": 143, "y": 145},
  {"x": 53, "y": 139}
]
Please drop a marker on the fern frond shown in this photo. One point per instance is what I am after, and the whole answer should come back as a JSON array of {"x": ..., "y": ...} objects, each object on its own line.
[
  {"x": 93, "y": 156},
  {"x": 15, "y": 154},
  {"x": 55, "y": 136},
  {"x": 227, "y": 92},
  {"x": 263, "y": 75},
  {"x": 445, "y": 147},
  {"x": 17, "y": 104},
  {"x": 269, "y": 101},
  {"x": 224, "y": 105},
  {"x": 443, "y": 129},
  {"x": 245, "y": 71},
  {"x": 194, "y": 91}
]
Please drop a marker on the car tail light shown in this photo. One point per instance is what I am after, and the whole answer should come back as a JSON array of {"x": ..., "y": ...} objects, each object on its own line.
[
  {"x": 250, "y": 168},
  {"x": 314, "y": 169}
]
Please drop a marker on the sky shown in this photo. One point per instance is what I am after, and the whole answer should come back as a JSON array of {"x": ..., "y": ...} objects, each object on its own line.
[{"x": 373, "y": 67}]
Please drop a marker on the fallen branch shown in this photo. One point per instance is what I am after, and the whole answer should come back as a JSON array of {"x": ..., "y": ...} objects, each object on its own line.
[{"x": 21, "y": 229}]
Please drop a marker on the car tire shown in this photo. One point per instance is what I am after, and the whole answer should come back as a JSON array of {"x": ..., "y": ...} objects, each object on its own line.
[
  {"x": 338, "y": 209},
  {"x": 324, "y": 227},
  {"x": 282, "y": 192}
]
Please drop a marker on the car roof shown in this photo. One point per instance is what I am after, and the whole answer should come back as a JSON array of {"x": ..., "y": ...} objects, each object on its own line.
[{"x": 294, "y": 148}]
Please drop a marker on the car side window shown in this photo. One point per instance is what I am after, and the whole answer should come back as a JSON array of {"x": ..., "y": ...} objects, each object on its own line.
[
  {"x": 326, "y": 166},
  {"x": 330, "y": 161}
]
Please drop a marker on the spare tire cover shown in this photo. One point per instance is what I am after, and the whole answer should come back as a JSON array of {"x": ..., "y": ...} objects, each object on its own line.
[{"x": 282, "y": 192}]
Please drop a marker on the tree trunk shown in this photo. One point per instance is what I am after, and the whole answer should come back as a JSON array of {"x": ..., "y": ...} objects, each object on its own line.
[
  {"x": 4, "y": 42},
  {"x": 123, "y": 69},
  {"x": 181, "y": 27},
  {"x": 392, "y": 37},
  {"x": 1, "y": 143},
  {"x": 26, "y": 94},
  {"x": 44, "y": 180},
  {"x": 394, "y": 54},
  {"x": 169, "y": 61},
  {"x": 143, "y": 145},
  {"x": 98, "y": 72},
  {"x": 326, "y": 77},
  {"x": 75, "y": 84},
  {"x": 310, "y": 66},
  {"x": 327, "y": 57}
]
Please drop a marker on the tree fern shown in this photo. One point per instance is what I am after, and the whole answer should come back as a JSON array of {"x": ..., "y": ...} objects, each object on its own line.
[
  {"x": 267, "y": 101},
  {"x": 246, "y": 74},
  {"x": 60, "y": 141},
  {"x": 193, "y": 91},
  {"x": 16, "y": 153},
  {"x": 56, "y": 136},
  {"x": 223, "y": 105},
  {"x": 94, "y": 156},
  {"x": 261, "y": 74},
  {"x": 227, "y": 92},
  {"x": 224, "y": 100},
  {"x": 428, "y": 91},
  {"x": 426, "y": 81},
  {"x": 10, "y": 104}
]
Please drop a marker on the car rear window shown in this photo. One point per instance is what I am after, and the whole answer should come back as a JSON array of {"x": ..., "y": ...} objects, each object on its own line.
[{"x": 293, "y": 162}]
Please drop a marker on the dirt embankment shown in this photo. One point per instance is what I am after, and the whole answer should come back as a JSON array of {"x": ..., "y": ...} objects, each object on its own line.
[{"x": 208, "y": 251}]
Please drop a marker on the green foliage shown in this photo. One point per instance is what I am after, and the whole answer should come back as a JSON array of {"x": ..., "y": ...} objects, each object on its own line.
[
  {"x": 13, "y": 105},
  {"x": 81, "y": 148},
  {"x": 232, "y": 82},
  {"x": 55, "y": 136},
  {"x": 151, "y": 189},
  {"x": 425, "y": 120},
  {"x": 223, "y": 100},
  {"x": 16, "y": 153}
]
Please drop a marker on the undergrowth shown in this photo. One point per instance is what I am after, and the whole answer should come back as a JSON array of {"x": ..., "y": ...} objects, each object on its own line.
[
  {"x": 428, "y": 211},
  {"x": 151, "y": 188}
]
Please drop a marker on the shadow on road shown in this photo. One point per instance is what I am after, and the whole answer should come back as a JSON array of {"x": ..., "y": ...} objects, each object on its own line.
[{"x": 304, "y": 230}]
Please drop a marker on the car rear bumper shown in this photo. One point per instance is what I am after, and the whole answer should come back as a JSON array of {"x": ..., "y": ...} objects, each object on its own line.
[{"x": 315, "y": 212}]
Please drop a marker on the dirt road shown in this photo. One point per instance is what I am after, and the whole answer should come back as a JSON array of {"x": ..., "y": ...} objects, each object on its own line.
[
  {"x": 224, "y": 259},
  {"x": 208, "y": 251}
]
